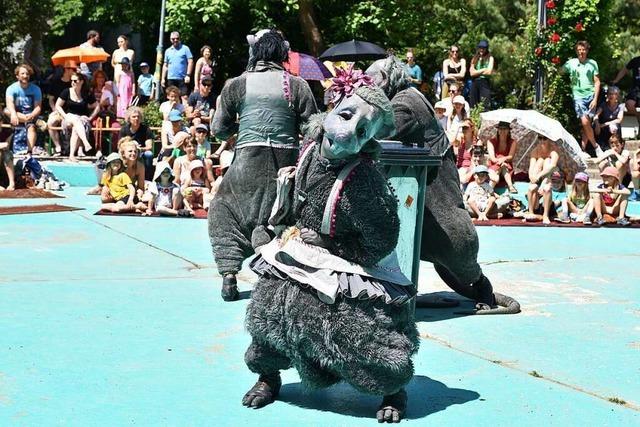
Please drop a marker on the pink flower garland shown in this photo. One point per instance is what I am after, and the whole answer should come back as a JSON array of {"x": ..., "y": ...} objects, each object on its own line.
[{"x": 346, "y": 82}]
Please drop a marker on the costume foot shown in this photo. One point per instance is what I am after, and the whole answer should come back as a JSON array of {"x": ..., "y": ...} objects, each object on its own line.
[
  {"x": 230, "y": 288},
  {"x": 392, "y": 408},
  {"x": 263, "y": 392}
]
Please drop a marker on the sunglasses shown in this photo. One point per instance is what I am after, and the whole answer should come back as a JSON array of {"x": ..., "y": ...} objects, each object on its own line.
[
  {"x": 454, "y": 51},
  {"x": 75, "y": 80},
  {"x": 174, "y": 39},
  {"x": 206, "y": 85}
]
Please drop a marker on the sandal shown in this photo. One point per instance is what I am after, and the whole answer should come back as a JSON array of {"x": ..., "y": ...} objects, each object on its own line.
[
  {"x": 513, "y": 190},
  {"x": 185, "y": 213}
]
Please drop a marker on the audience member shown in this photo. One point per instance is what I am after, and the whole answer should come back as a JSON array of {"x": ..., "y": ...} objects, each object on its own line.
[
  {"x": 135, "y": 128},
  {"x": 171, "y": 104},
  {"x": 478, "y": 158},
  {"x": 178, "y": 65},
  {"x": 181, "y": 166},
  {"x": 93, "y": 41},
  {"x": 578, "y": 205},
  {"x": 414, "y": 70},
  {"x": 440, "y": 109},
  {"x": 145, "y": 85},
  {"x": 455, "y": 90},
  {"x": 56, "y": 86},
  {"x": 133, "y": 165},
  {"x": 204, "y": 146},
  {"x": 456, "y": 118},
  {"x": 617, "y": 157},
  {"x": 165, "y": 198},
  {"x": 479, "y": 197},
  {"x": 196, "y": 188},
  {"x": 501, "y": 150},
  {"x": 169, "y": 136},
  {"x": 126, "y": 84},
  {"x": 77, "y": 107},
  {"x": 103, "y": 91},
  {"x": 635, "y": 176},
  {"x": 123, "y": 51},
  {"x": 633, "y": 97},
  {"x": 201, "y": 103},
  {"x": 454, "y": 68},
  {"x": 23, "y": 104},
  {"x": 585, "y": 87},
  {"x": 117, "y": 183},
  {"x": 6, "y": 158},
  {"x": 611, "y": 197},
  {"x": 608, "y": 118},
  {"x": 480, "y": 71},
  {"x": 204, "y": 67},
  {"x": 542, "y": 164}
]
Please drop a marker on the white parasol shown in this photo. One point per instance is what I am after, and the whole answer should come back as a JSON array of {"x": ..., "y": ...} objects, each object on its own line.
[{"x": 525, "y": 127}]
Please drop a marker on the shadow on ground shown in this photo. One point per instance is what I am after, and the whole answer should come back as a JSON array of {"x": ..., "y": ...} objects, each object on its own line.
[
  {"x": 426, "y": 396},
  {"x": 439, "y": 314}
]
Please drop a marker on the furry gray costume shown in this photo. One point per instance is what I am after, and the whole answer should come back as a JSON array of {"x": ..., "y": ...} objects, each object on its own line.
[
  {"x": 367, "y": 335},
  {"x": 272, "y": 105},
  {"x": 449, "y": 238}
]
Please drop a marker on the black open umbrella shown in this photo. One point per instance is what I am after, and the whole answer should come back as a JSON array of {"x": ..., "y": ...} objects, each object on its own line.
[{"x": 354, "y": 50}]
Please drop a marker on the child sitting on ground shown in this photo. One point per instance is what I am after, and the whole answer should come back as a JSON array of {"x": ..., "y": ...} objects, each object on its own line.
[
  {"x": 617, "y": 157},
  {"x": 117, "y": 183},
  {"x": 165, "y": 194},
  {"x": 479, "y": 196},
  {"x": 611, "y": 197},
  {"x": 548, "y": 199},
  {"x": 478, "y": 158},
  {"x": 578, "y": 206},
  {"x": 196, "y": 188}
]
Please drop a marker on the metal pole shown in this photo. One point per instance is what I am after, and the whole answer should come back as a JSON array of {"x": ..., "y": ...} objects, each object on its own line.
[
  {"x": 158, "y": 72},
  {"x": 542, "y": 24}
]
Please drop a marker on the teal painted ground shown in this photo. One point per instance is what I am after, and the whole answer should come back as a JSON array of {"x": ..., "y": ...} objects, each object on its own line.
[{"x": 109, "y": 321}]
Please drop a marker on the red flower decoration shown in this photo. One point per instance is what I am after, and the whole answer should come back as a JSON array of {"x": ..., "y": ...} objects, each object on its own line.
[
  {"x": 538, "y": 51},
  {"x": 552, "y": 21},
  {"x": 347, "y": 81},
  {"x": 550, "y": 4},
  {"x": 579, "y": 27},
  {"x": 555, "y": 60},
  {"x": 554, "y": 38}
]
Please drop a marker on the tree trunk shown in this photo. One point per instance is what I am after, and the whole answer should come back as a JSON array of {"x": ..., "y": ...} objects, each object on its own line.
[{"x": 307, "y": 18}]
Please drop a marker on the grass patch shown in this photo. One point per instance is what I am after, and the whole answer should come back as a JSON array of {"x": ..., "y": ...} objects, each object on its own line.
[
  {"x": 535, "y": 374},
  {"x": 617, "y": 401}
]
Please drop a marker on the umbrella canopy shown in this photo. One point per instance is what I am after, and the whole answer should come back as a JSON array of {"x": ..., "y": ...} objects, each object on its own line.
[
  {"x": 79, "y": 54},
  {"x": 525, "y": 127},
  {"x": 354, "y": 50},
  {"x": 306, "y": 66}
]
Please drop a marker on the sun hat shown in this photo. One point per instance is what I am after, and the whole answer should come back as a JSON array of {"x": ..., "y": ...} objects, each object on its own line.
[
  {"x": 180, "y": 137},
  {"x": 504, "y": 125},
  {"x": 143, "y": 64},
  {"x": 611, "y": 171},
  {"x": 481, "y": 169},
  {"x": 175, "y": 116},
  {"x": 113, "y": 157},
  {"x": 440, "y": 105},
  {"x": 581, "y": 176},
  {"x": 483, "y": 44},
  {"x": 195, "y": 164},
  {"x": 458, "y": 99},
  {"x": 202, "y": 127},
  {"x": 161, "y": 167}
]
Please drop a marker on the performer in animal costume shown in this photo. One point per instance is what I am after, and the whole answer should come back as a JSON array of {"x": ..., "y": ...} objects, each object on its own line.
[
  {"x": 449, "y": 238},
  {"x": 271, "y": 105},
  {"x": 331, "y": 300}
]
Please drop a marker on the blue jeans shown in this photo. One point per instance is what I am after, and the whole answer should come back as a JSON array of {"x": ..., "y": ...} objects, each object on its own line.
[
  {"x": 147, "y": 159},
  {"x": 581, "y": 106}
]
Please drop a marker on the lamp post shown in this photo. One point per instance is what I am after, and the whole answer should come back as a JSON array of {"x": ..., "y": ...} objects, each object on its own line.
[
  {"x": 158, "y": 72},
  {"x": 542, "y": 23}
]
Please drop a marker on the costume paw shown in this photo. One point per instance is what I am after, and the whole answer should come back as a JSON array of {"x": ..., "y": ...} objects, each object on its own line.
[
  {"x": 263, "y": 392},
  {"x": 392, "y": 408}
]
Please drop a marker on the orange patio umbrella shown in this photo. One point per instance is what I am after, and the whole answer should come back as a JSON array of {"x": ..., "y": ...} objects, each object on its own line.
[{"x": 79, "y": 54}]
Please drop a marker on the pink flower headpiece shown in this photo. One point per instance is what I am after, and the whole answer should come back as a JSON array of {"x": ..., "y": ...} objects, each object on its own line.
[{"x": 346, "y": 82}]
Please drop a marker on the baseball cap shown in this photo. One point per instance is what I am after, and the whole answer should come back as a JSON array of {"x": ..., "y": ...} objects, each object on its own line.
[
  {"x": 483, "y": 44},
  {"x": 125, "y": 60},
  {"x": 440, "y": 105},
  {"x": 481, "y": 169},
  {"x": 143, "y": 64},
  {"x": 202, "y": 128},
  {"x": 458, "y": 99},
  {"x": 581, "y": 176},
  {"x": 610, "y": 171},
  {"x": 175, "y": 116}
]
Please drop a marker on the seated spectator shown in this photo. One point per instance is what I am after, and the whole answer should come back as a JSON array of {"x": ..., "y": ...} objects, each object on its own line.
[
  {"x": 181, "y": 166},
  {"x": 168, "y": 135},
  {"x": 165, "y": 194},
  {"x": 140, "y": 133},
  {"x": 454, "y": 90},
  {"x": 134, "y": 167},
  {"x": 478, "y": 158},
  {"x": 204, "y": 67},
  {"x": 24, "y": 102},
  {"x": 501, "y": 150},
  {"x": 145, "y": 85},
  {"x": 635, "y": 176},
  {"x": 617, "y": 157},
  {"x": 611, "y": 197},
  {"x": 457, "y": 117},
  {"x": 441, "y": 110},
  {"x": 171, "y": 104},
  {"x": 479, "y": 197},
  {"x": 6, "y": 157},
  {"x": 578, "y": 205},
  {"x": 204, "y": 146},
  {"x": 201, "y": 103},
  {"x": 56, "y": 86},
  {"x": 196, "y": 188},
  {"x": 77, "y": 107},
  {"x": 542, "y": 164},
  {"x": 119, "y": 186},
  {"x": 608, "y": 118}
]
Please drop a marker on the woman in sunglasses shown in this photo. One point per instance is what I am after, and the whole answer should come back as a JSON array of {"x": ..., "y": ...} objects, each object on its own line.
[
  {"x": 454, "y": 69},
  {"x": 78, "y": 107}
]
